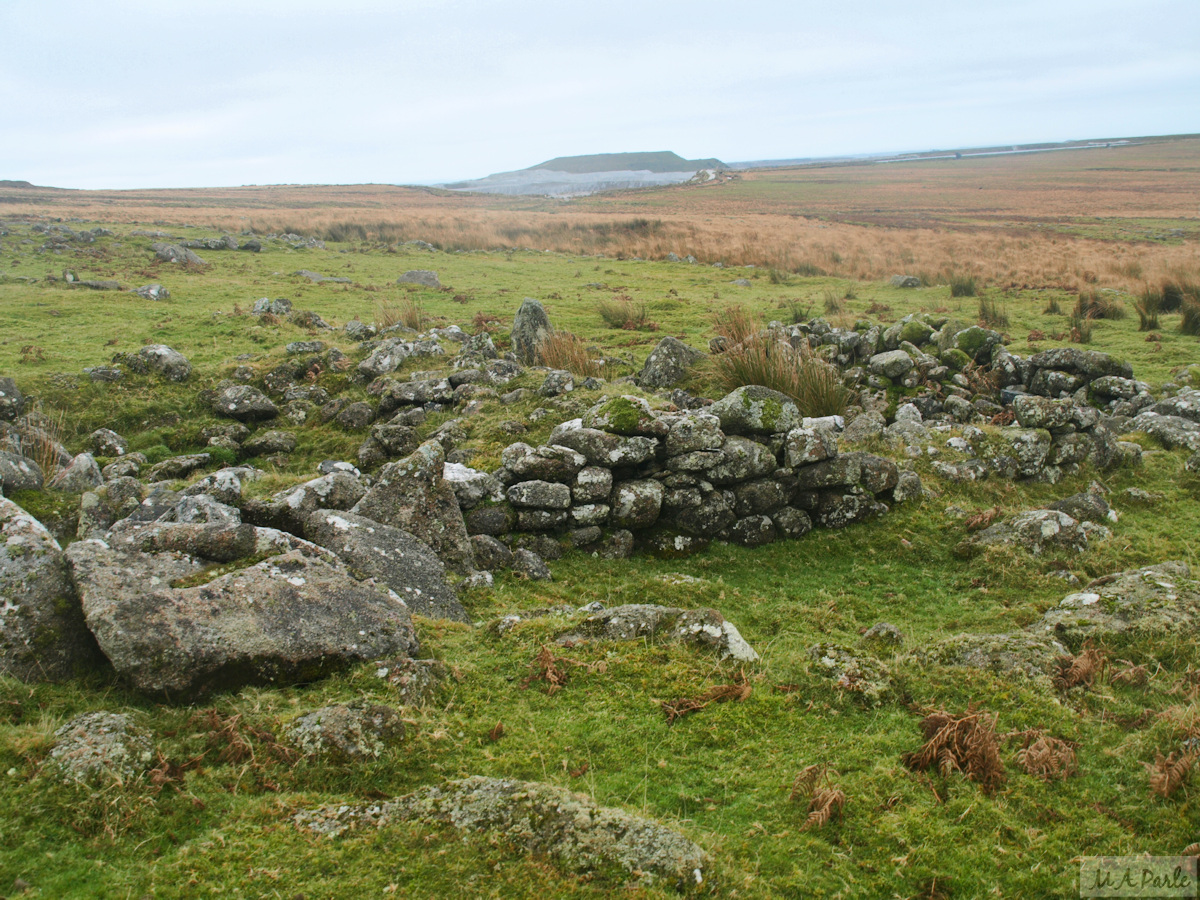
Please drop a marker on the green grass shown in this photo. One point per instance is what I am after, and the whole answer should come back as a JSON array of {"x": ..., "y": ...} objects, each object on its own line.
[{"x": 721, "y": 776}]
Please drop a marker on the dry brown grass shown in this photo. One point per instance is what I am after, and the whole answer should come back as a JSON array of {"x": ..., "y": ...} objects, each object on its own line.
[
  {"x": 857, "y": 221},
  {"x": 406, "y": 311},
  {"x": 563, "y": 350},
  {"x": 966, "y": 743}
]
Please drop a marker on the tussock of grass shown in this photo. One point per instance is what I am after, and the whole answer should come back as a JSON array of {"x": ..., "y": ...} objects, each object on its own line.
[
  {"x": 563, "y": 350},
  {"x": 992, "y": 314},
  {"x": 1148, "y": 308},
  {"x": 1095, "y": 305},
  {"x": 1189, "y": 322},
  {"x": 815, "y": 385},
  {"x": 624, "y": 313},
  {"x": 406, "y": 311},
  {"x": 962, "y": 286}
]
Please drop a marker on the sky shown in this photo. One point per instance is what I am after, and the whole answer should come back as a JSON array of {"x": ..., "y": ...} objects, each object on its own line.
[{"x": 147, "y": 93}]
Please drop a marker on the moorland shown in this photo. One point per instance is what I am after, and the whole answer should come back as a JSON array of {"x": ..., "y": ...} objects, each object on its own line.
[{"x": 793, "y": 783}]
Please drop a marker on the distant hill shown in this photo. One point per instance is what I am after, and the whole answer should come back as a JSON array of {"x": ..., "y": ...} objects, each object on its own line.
[
  {"x": 577, "y": 176},
  {"x": 15, "y": 184},
  {"x": 659, "y": 161}
]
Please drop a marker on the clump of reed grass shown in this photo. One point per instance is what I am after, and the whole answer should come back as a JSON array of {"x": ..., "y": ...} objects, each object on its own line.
[
  {"x": 1094, "y": 305},
  {"x": 1081, "y": 329},
  {"x": 1189, "y": 323},
  {"x": 563, "y": 350},
  {"x": 765, "y": 360},
  {"x": 406, "y": 311},
  {"x": 736, "y": 325},
  {"x": 992, "y": 314},
  {"x": 1148, "y": 307},
  {"x": 833, "y": 303},
  {"x": 622, "y": 312},
  {"x": 962, "y": 286},
  {"x": 1053, "y": 308}
]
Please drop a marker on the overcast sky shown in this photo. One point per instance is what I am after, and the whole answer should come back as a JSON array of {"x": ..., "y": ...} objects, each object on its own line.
[{"x": 154, "y": 93}]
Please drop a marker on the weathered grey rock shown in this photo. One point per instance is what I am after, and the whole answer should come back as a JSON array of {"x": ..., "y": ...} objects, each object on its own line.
[
  {"x": 1041, "y": 412},
  {"x": 1013, "y": 653},
  {"x": 588, "y": 514},
  {"x": 296, "y": 348},
  {"x": 355, "y": 416},
  {"x": 101, "y": 746},
  {"x": 600, "y": 448},
  {"x": 864, "y": 426},
  {"x": 593, "y": 484},
  {"x": 417, "y": 392},
  {"x": 42, "y": 632},
  {"x": 530, "y": 327},
  {"x": 626, "y": 415},
  {"x": 174, "y": 253},
  {"x": 893, "y": 364},
  {"x": 568, "y": 828},
  {"x": 742, "y": 460},
  {"x": 908, "y": 487},
  {"x": 81, "y": 475},
  {"x": 1013, "y": 451},
  {"x": 760, "y": 497},
  {"x": 12, "y": 401},
  {"x": 412, "y": 494},
  {"x": 108, "y": 443},
  {"x": 839, "y": 471},
  {"x": 712, "y": 516},
  {"x": 539, "y": 494},
  {"x": 176, "y": 467},
  {"x": 1163, "y": 600},
  {"x": 390, "y": 556},
  {"x": 552, "y": 463},
  {"x": 530, "y": 565},
  {"x": 754, "y": 409},
  {"x": 854, "y": 672},
  {"x": 791, "y": 523},
  {"x": 1034, "y": 531},
  {"x": 202, "y": 509},
  {"x": 1170, "y": 431},
  {"x": 905, "y": 281},
  {"x": 808, "y": 445},
  {"x": 152, "y": 292},
  {"x": 162, "y": 360},
  {"x": 636, "y": 504},
  {"x": 347, "y": 733},
  {"x": 493, "y": 519},
  {"x": 1088, "y": 363},
  {"x": 269, "y": 442},
  {"x": 293, "y": 617},
  {"x": 387, "y": 357},
  {"x": 838, "y": 508},
  {"x": 556, "y": 383},
  {"x": 1086, "y": 507},
  {"x": 471, "y": 486},
  {"x": 752, "y": 531},
  {"x": 244, "y": 403},
  {"x": 1185, "y": 405},
  {"x": 705, "y": 628},
  {"x": 692, "y": 432},
  {"x": 424, "y": 277},
  {"x": 19, "y": 474},
  {"x": 668, "y": 364},
  {"x": 491, "y": 554}
]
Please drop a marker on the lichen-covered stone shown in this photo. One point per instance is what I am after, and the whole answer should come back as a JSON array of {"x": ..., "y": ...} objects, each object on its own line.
[
  {"x": 553, "y": 463},
  {"x": 742, "y": 460},
  {"x": 1035, "y": 530},
  {"x": 600, "y": 448},
  {"x": 43, "y": 636},
  {"x": 892, "y": 364},
  {"x": 101, "y": 746},
  {"x": 1013, "y": 451},
  {"x": 668, "y": 364},
  {"x": 1161, "y": 599},
  {"x": 346, "y": 732},
  {"x": 705, "y": 628},
  {"x": 244, "y": 403},
  {"x": 863, "y": 676},
  {"x": 538, "y": 494},
  {"x": 625, "y": 415},
  {"x": 755, "y": 409},
  {"x": 569, "y": 828},
  {"x": 531, "y": 325},
  {"x": 412, "y": 494},
  {"x": 1012, "y": 653},
  {"x": 636, "y": 504}
]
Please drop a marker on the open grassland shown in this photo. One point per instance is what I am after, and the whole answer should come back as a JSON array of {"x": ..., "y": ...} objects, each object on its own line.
[
  {"x": 215, "y": 820},
  {"x": 1106, "y": 217}
]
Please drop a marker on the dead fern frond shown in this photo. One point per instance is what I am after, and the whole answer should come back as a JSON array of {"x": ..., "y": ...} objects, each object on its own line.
[
  {"x": 826, "y": 804},
  {"x": 1168, "y": 773},
  {"x": 806, "y": 781},
  {"x": 982, "y": 519},
  {"x": 721, "y": 693},
  {"x": 965, "y": 743},
  {"x": 1047, "y": 757},
  {"x": 1081, "y": 670},
  {"x": 1131, "y": 674},
  {"x": 548, "y": 668}
]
